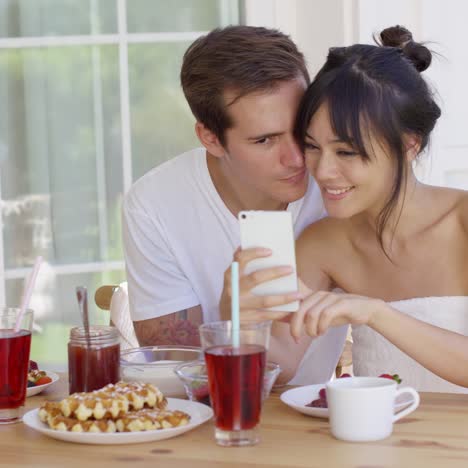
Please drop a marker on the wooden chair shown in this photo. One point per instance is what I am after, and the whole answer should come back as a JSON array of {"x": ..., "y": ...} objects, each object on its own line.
[
  {"x": 345, "y": 362},
  {"x": 103, "y": 296},
  {"x": 114, "y": 298}
]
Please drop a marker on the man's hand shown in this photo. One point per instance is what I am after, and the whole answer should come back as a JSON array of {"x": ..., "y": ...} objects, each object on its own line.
[{"x": 252, "y": 307}]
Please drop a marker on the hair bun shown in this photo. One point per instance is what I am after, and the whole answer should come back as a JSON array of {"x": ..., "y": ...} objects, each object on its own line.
[
  {"x": 398, "y": 36},
  {"x": 395, "y": 36}
]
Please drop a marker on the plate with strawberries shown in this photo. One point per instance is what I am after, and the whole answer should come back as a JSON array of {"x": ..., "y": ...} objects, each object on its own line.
[
  {"x": 312, "y": 399},
  {"x": 39, "y": 380}
]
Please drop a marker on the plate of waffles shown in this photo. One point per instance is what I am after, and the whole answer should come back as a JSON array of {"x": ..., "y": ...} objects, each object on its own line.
[{"x": 198, "y": 412}]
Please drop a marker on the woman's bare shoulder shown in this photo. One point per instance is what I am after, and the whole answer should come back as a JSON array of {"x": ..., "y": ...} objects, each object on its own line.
[
  {"x": 462, "y": 207},
  {"x": 449, "y": 201},
  {"x": 324, "y": 233},
  {"x": 317, "y": 248},
  {"x": 323, "y": 236}
]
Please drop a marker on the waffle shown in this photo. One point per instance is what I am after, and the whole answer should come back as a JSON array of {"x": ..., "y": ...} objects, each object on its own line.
[
  {"x": 49, "y": 410},
  {"x": 139, "y": 395},
  {"x": 94, "y": 405},
  {"x": 151, "y": 419},
  {"x": 112, "y": 401},
  {"x": 62, "y": 423},
  {"x": 121, "y": 407}
]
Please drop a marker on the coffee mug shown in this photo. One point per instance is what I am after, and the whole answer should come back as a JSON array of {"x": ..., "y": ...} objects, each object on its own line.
[{"x": 362, "y": 408}]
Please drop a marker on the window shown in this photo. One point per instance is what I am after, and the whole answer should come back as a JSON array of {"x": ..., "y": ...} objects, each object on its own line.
[{"x": 89, "y": 101}]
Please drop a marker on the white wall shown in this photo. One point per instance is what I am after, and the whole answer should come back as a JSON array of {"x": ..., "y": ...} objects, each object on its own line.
[
  {"x": 315, "y": 25},
  {"x": 442, "y": 25}
]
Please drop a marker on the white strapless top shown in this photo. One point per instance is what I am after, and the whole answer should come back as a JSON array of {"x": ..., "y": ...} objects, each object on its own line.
[{"x": 375, "y": 355}]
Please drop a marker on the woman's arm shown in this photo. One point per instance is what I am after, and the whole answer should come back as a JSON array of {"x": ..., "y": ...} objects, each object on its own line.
[{"x": 443, "y": 352}]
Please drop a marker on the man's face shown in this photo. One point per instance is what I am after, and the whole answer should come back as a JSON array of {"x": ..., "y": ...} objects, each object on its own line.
[{"x": 263, "y": 161}]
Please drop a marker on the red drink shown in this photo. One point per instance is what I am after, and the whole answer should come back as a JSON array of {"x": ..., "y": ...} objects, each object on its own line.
[
  {"x": 235, "y": 377},
  {"x": 14, "y": 360},
  {"x": 94, "y": 368}
]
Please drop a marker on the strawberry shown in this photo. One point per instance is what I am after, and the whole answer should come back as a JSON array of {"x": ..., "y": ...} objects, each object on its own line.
[
  {"x": 394, "y": 377},
  {"x": 386, "y": 376},
  {"x": 343, "y": 376},
  {"x": 43, "y": 380},
  {"x": 200, "y": 392},
  {"x": 33, "y": 365},
  {"x": 319, "y": 403},
  {"x": 323, "y": 394}
]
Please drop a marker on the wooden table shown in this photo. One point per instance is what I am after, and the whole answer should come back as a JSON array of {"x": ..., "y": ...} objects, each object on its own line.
[{"x": 435, "y": 435}]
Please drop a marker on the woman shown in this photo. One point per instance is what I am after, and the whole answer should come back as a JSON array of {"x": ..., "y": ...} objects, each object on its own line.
[{"x": 391, "y": 258}]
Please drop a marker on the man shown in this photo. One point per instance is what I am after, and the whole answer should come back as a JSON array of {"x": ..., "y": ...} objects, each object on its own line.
[{"x": 243, "y": 85}]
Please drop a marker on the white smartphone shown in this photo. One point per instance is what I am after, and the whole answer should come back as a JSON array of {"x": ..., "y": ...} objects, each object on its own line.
[{"x": 272, "y": 230}]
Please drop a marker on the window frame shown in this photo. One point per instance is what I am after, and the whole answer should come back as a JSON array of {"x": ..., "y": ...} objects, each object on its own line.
[{"x": 122, "y": 39}]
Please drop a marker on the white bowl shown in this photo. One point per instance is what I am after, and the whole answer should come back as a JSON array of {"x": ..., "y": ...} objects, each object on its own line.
[
  {"x": 31, "y": 391},
  {"x": 155, "y": 365}
]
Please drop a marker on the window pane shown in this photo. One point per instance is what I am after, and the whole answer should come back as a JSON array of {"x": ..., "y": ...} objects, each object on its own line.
[
  {"x": 56, "y": 311},
  {"x": 182, "y": 15},
  {"x": 162, "y": 124},
  {"x": 24, "y": 18},
  {"x": 60, "y": 153}
]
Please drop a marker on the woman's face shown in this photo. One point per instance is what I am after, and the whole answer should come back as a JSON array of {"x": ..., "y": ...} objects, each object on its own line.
[{"x": 350, "y": 185}]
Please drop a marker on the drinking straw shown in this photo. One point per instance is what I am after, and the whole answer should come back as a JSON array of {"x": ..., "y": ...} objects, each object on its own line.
[
  {"x": 27, "y": 291},
  {"x": 235, "y": 318},
  {"x": 82, "y": 296}
]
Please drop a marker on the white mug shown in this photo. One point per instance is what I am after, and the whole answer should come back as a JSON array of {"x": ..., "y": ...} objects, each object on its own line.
[{"x": 362, "y": 408}]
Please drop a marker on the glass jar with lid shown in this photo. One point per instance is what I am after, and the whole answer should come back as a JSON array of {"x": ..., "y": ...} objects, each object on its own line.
[{"x": 95, "y": 364}]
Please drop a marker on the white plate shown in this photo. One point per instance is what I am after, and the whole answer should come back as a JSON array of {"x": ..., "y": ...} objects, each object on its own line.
[
  {"x": 38, "y": 388},
  {"x": 298, "y": 398},
  {"x": 199, "y": 413}
]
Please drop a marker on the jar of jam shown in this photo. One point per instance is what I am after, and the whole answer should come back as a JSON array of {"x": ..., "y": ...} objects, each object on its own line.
[{"x": 95, "y": 364}]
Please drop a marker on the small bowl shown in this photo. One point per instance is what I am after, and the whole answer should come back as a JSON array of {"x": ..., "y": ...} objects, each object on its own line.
[
  {"x": 156, "y": 364},
  {"x": 195, "y": 380}
]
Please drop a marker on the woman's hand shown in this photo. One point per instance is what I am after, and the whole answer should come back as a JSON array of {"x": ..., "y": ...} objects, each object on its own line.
[
  {"x": 252, "y": 307},
  {"x": 322, "y": 309}
]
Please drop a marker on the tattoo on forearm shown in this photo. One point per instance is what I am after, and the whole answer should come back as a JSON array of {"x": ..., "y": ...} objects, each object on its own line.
[{"x": 180, "y": 328}]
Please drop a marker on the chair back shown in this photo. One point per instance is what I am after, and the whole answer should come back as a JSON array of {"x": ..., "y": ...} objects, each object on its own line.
[{"x": 115, "y": 299}]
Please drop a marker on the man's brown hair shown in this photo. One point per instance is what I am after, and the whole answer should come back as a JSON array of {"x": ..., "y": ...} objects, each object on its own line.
[{"x": 243, "y": 59}]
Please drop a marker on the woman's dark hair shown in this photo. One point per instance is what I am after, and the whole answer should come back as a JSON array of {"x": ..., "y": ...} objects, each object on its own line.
[{"x": 377, "y": 89}]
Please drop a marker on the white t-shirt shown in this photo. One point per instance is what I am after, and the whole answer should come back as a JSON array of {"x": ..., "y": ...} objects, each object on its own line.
[{"x": 179, "y": 237}]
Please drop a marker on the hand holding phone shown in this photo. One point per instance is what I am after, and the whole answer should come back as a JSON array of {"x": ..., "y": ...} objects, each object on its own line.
[{"x": 272, "y": 230}]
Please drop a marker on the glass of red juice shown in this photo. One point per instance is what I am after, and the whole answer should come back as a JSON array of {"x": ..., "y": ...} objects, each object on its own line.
[
  {"x": 14, "y": 362},
  {"x": 93, "y": 364},
  {"x": 235, "y": 378}
]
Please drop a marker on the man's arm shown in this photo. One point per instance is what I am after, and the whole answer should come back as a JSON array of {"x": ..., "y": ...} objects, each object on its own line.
[{"x": 178, "y": 328}]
